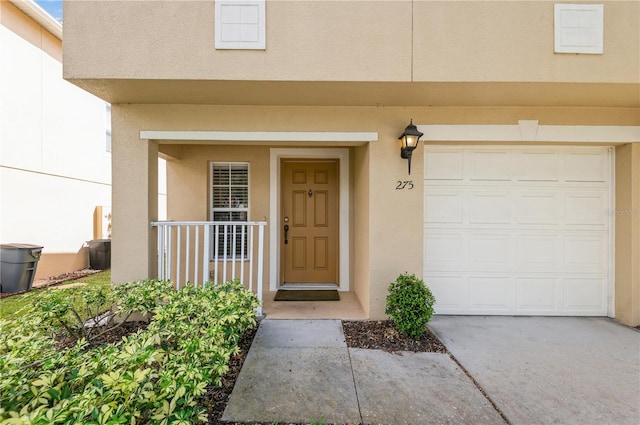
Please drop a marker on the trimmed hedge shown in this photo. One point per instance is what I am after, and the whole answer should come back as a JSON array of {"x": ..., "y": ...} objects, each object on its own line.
[{"x": 410, "y": 305}]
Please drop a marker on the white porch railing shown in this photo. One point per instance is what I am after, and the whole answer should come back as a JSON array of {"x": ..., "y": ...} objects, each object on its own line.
[{"x": 212, "y": 251}]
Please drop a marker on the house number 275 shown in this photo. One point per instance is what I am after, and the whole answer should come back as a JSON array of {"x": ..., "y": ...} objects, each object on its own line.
[{"x": 406, "y": 184}]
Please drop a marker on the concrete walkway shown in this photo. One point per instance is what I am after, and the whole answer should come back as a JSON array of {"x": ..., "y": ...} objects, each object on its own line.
[
  {"x": 536, "y": 370},
  {"x": 548, "y": 370},
  {"x": 302, "y": 370}
]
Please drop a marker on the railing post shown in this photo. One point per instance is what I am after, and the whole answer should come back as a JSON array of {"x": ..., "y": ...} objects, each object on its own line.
[
  {"x": 205, "y": 254},
  {"x": 243, "y": 250},
  {"x": 160, "y": 252},
  {"x": 195, "y": 262},
  {"x": 169, "y": 252},
  {"x": 260, "y": 266},
  {"x": 216, "y": 254},
  {"x": 188, "y": 253},
  {"x": 178, "y": 257}
]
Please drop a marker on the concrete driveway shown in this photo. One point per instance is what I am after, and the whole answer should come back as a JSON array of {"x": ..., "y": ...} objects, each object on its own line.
[{"x": 548, "y": 370}]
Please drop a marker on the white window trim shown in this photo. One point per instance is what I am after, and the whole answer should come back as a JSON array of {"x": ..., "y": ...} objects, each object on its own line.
[
  {"x": 260, "y": 44},
  {"x": 276, "y": 154}
]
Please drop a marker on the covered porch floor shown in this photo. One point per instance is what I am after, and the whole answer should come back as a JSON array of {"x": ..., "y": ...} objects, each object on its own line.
[{"x": 347, "y": 308}]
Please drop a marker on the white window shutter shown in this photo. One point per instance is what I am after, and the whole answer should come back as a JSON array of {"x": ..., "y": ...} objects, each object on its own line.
[
  {"x": 579, "y": 28},
  {"x": 240, "y": 24}
]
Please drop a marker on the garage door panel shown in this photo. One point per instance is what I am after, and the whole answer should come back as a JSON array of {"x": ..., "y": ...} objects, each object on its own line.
[
  {"x": 445, "y": 251},
  {"x": 537, "y": 295},
  {"x": 452, "y": 292},
  {"x": 585, "y": 253},
  {"x": 489, "y": 293},
  {"x": 588, "y": 208},
  {"x": 586, "y": 166},
  {"x": 537, "y": 252},
  {"x": 490, "y": 207},
  {"x": 541, "y": 166},
  {"x": 523, "y": 230},
  {"x": 443, "y": 207},
  {"x": 488, "y": 252},
  {"x": 537, "y": 208},
  {"x": 584, "y": 295},
  {"x": 489, "y": 165},
  {"x": 445, "y": 165}
]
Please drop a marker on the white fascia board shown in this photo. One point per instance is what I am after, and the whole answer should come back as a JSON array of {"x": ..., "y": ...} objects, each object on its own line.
[
  {"x": 38, "y": 14},
  {"x": 260, "y": 136},
  {"x": 529, "y": 131}
]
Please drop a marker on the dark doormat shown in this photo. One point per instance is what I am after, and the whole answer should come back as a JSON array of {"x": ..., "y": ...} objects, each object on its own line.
[{"x": 306, "y": 295}]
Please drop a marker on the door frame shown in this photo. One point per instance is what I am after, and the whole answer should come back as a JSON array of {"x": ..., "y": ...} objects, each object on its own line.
[{"x": 275, "y": 157}]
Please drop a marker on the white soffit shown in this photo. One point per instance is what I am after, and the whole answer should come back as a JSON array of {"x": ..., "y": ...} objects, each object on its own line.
[
  {"x": 38, "y": 14},
  {"x": 531, "y": 131},
  {"x": 261, "y": 136}
]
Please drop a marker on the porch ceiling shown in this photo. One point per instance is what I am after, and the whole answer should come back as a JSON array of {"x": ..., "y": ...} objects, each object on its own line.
[{"x": 299, "y": 93}]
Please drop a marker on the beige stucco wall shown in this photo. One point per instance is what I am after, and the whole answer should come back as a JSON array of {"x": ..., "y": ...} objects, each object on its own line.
[
  {"x": 627, "y": 222},
  {"x": 361, "y": 238},
  {"x": 347, "y": 41},
  {"x": 514, "y": 41},
  {"x": 387, "y": 224}
]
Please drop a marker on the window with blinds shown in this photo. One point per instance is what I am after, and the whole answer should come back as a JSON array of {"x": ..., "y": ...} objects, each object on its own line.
[{"x": 230, "y": 202}]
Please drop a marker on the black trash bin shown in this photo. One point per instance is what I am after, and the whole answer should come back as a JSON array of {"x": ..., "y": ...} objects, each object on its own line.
[
  {"x": 100, "y": 254},
  {"x": 18, "y": 264}
]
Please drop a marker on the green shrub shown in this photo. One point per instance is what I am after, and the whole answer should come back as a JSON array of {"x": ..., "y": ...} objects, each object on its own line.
[
  {"x": 410, "y": 305},
  {"x": 152, "y": 376},
  {"x": 78, "y": 311}
]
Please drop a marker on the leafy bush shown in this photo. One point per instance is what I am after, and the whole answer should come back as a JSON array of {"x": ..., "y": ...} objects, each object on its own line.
[
  {"x": 152, "y": 376},
  {"x": 410, "y": 305},
  {"x": 101, "y": 306}
]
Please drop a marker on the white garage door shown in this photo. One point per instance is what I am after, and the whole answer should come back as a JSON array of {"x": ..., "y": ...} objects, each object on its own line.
[{"x": 518, "y": 231}]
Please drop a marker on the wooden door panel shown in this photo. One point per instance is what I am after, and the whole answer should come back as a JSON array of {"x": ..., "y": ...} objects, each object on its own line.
[
  {"x": 310, "y": 205},
  {"x": 320, "y": 253},
  {"x": 299, "y": 253},
  {"x": 321, "y": 208},
  {"x": 299, "y": 208}
]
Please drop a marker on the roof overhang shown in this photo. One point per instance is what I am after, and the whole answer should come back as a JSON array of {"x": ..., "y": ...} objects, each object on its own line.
[
  {"x": 345, "y": 93},
  {"x": 38, "y": 14}
]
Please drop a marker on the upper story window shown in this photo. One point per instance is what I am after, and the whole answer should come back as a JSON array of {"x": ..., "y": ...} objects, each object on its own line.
[
  {"x": 240, "y": 24},
  {"x": 579, "y": 28}
]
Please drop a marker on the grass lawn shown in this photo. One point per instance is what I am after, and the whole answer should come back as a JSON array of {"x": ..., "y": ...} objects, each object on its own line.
[{"x": 17, "y": 305}]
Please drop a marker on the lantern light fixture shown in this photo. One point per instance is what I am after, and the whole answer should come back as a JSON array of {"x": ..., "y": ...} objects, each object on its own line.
[{"x": 410, "y": 138}]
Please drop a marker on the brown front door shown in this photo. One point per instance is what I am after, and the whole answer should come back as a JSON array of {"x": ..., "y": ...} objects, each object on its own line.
[{"x": 310, "y": 217}]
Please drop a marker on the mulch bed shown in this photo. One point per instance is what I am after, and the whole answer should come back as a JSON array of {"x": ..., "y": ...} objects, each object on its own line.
[
  {"x": 63, "y": 340},
  {"x": 215, "y": 400},
  {"x": 382, "y": 335}
]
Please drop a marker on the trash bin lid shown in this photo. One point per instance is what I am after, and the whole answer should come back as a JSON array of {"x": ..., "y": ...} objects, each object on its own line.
[{"x": 20, "y": 246}]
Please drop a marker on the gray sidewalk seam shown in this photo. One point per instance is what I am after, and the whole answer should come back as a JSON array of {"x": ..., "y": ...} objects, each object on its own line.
[
  {"x": 355, "y": 386},
  {"x": 479, "y": 387}
]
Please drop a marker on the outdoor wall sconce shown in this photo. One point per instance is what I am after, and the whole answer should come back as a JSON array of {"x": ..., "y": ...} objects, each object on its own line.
[{"x": 410, "y": 138}]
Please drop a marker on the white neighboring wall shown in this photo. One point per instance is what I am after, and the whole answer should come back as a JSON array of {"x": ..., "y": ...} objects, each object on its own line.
[{"x": 54, "y": 164}]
